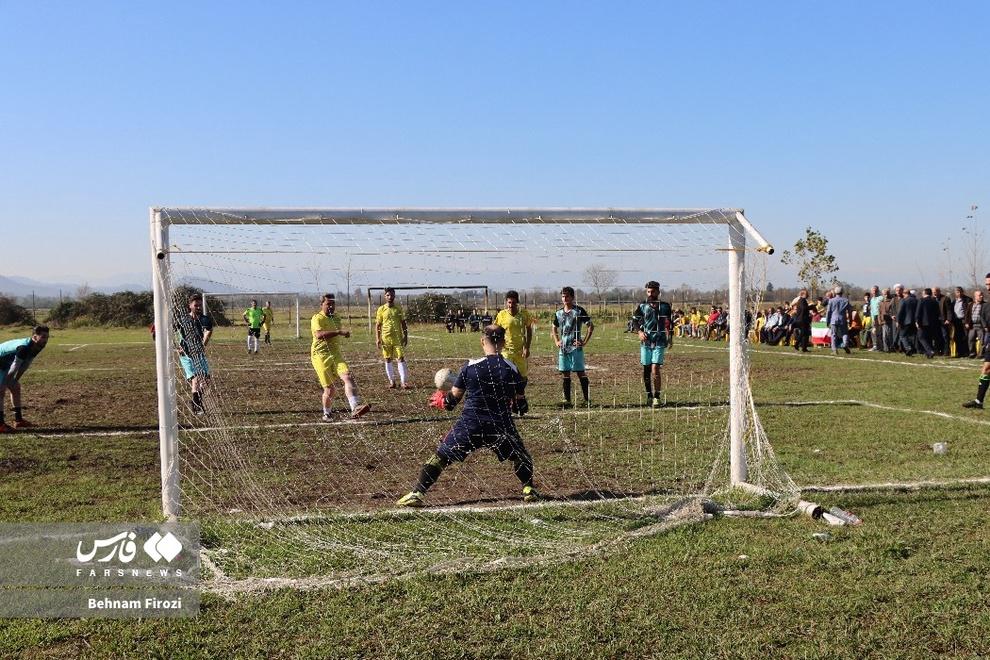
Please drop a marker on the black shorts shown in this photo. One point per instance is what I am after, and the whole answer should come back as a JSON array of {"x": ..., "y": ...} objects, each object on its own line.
[
  {"x": 254, "y": 332},
  {"x": 466, "y": 437}
]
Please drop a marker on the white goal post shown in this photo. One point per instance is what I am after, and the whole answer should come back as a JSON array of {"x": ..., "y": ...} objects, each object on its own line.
[
  {"x": 738, "y": 228},
  {"x": 260, "y": 295}
]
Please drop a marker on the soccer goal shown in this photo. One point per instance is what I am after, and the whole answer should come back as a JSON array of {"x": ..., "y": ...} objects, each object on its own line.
[
  {"x": 284, "y": 306},
  {"x": 259, "y": 455}
]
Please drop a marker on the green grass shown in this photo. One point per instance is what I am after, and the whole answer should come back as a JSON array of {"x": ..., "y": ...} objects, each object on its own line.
[{"x": 910, "y": 582}]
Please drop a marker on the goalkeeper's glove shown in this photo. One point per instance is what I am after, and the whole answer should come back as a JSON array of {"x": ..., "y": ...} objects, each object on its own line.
[{"x": 442, "y": 400}]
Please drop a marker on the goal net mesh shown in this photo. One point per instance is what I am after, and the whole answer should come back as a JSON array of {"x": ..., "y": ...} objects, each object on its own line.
[{"x": 285, "y": 495}]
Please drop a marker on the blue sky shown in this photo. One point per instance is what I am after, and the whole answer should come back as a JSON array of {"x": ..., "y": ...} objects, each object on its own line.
[{"x": 867, "y": 121}]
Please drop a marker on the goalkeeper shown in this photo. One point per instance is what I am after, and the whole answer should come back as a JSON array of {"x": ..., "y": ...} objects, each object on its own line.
[
  {"x": 490, "y": 385},
  {"x": 254, "y": 317}
]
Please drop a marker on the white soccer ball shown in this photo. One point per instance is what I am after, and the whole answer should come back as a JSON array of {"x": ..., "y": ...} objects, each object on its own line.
[{"x": 444, "y": 379}]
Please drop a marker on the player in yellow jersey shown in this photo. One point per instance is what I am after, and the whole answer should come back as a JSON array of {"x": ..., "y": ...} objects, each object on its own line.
[
  {"x": 328, "y": 360},
  {"x": 267, "y": 321},
  {"x": 391, "y": 336},
  {"x": 518, "y": 324},
  {"x": 253, "y": 316}
]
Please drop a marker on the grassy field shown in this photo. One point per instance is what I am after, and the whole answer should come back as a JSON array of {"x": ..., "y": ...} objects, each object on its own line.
[{"x": 910, "y": 582}]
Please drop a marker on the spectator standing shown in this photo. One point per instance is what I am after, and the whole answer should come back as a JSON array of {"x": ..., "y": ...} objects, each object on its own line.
[
  {"x": 929, "y": 323},
  {"x": 907, "y": 322},
  {"x": 957, "y": 319},
  {"x": 801, "y": 318},
  {"x": 876, "y": 299},
  {"x": 837, "y": 318},
  {"x": 975, "y": 328}
]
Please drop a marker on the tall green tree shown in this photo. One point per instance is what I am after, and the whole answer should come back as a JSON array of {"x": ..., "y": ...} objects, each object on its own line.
[{"x": 812, "y": 259}]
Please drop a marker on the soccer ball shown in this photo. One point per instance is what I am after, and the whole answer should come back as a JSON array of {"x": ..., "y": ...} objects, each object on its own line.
[{"x": 444, "y": 379}]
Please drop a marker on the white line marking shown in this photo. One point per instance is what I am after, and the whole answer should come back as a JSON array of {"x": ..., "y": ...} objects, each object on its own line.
[{"x": 76, "y": 348}]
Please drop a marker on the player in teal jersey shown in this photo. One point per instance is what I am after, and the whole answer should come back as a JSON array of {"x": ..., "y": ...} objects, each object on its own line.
[
  {"x": 652, "y": 319},
  {"x": 254, "y": 316},
  {"x": 567, "y": 325},
  {"x": 16, "y": 356}
]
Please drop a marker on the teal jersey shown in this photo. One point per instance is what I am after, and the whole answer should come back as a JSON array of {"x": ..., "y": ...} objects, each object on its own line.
[
  {"x": 13, "y": 349},
  {"x": 569, "y": 326},
  {"x": 654, "y": 320}
]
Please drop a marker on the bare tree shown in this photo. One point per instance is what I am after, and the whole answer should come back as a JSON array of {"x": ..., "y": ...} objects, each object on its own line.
[
  {"x": 975, "y": 250},
  {"x": 601, "y": 278},
  {"x": 83, "y": 290}
]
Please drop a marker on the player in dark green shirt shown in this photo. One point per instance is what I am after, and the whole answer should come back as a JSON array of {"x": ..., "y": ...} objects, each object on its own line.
[{"x": 652, "y": 319}]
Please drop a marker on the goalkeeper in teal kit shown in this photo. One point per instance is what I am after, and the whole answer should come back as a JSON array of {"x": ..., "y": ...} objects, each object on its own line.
[
  {"x": 16, "y": 356},
  {"x": 488, "y": 386}
]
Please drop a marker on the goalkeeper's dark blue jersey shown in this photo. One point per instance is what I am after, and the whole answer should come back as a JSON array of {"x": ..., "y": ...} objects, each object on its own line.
[
  {"x": 490, "y": 383},
  {"x": 653, "y": 318}
]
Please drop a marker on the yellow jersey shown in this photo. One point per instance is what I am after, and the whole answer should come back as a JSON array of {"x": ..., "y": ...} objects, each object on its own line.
[
  {"x": 515, "y": 329},
  {"x": 325, "y": 347},
  {"x": 390, "y": 318}
]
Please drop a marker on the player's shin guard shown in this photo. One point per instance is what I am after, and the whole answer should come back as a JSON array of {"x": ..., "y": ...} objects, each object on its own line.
[
  {"x": 430, "y": 472},
  {"x": 389, "y": 372},
  {"x": 585, "y": 386},
  {"x": 522, "y": 464},
  {"x": 403, "y": 374},
  {"x": 981, "y": 392},
  {"x": 567, "y": 388}
]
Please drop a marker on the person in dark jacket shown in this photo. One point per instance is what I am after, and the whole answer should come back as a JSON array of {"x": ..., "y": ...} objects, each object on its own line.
[
  {"x": 984, "y": 383},
  {"x": 801, "y": 320},
  {"x": 945, "y": 311},
  {"x": 907, "y": 319},
  {"x": 974, "y": 323},
  {"x": 957, "y": 322},
  {"x": 929, "y": 319}
]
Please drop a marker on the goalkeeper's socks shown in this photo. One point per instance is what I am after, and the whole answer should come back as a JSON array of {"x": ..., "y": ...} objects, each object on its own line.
[
  {"x": 981, "y": 393},
  {"x": 428, "y": 476},
  {"x": 585, "y": 384},
  {"x": 353, "y": 401},
  {"x": 198, "y": 399},
  {"x": 17, "y": 414},
  {"x": 403, "y": 374},
  {"x": 389, "y": 372},
  {"x": 567, "y": 390}
]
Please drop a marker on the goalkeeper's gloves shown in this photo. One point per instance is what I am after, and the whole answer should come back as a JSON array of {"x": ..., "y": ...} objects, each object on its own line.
[
  {"x": 522, "y": 405},
  {"x": 442, "y": 400}
]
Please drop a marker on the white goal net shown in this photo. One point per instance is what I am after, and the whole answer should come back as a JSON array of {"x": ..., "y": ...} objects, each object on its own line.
[{"x": 285, "y": 494}]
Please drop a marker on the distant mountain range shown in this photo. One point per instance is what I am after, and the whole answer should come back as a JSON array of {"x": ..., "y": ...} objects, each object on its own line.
[{"x": 24, "y": 286}]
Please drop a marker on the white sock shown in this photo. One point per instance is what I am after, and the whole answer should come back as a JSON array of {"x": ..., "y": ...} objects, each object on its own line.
[
  {"x": 402, "y": 372},
  {"x": 353, "y": 401},
  {"x": 326, "y": 411},
  {"x": 389, "y": 372},
  {"x": 249, "y": 342}
]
